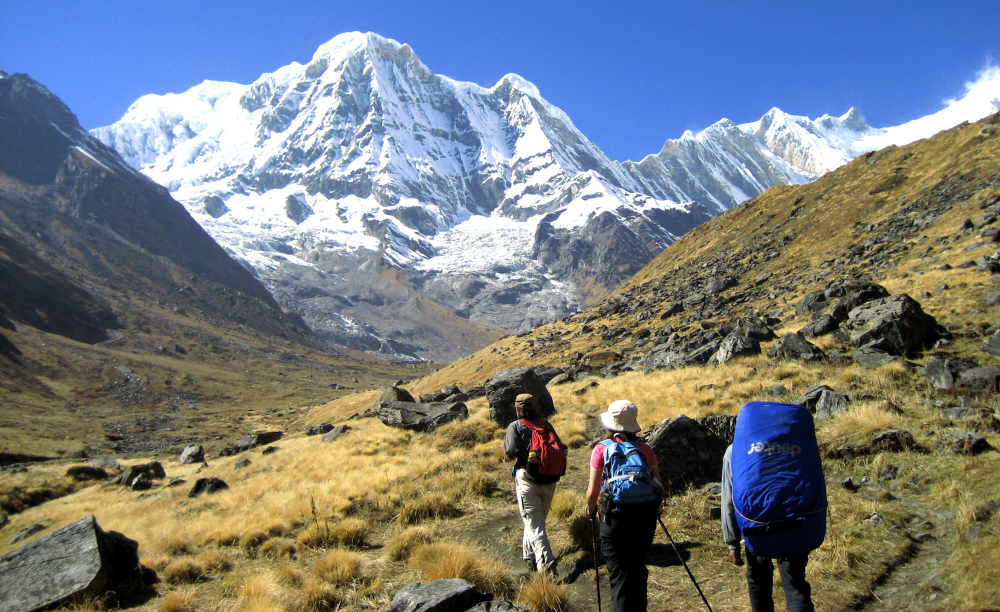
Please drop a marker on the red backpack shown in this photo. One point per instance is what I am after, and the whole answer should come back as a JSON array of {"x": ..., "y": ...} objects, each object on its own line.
[{"x": 546, "y": 455}]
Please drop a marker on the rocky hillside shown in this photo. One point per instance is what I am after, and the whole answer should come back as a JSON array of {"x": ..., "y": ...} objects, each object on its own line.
[
  {"x": 112, "y": 298},
  {"x": 919, "y": 219}
]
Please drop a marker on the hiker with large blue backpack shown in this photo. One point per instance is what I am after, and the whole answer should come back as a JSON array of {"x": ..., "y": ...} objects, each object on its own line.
[
  {"x": 774, "y": 498},
  {"x": 625, "y": 482},
  {"x": 539, "y": 461}
]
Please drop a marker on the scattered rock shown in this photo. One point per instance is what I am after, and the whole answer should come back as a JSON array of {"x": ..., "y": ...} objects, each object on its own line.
[
  {"x": 942, "y": 372},
  {"x": 420, "y": 417},
  {"x": 733, "y": 346},
  {"x": 587, "y": 387},
  {"x": 26, "y": 533},
  {"x": 822, "y": 326},
  {"x": 873, "y": 518},
  {"x": 872, "y": 357},
  {"x": 776, "y": 391},
  {"x": 317, "y": 430},
  {"x": 985, "y": 379},
  {"x": 192, "y": 454},
  {"x": 961, "y": 443},
  {"x": 893, "y": 441},
  {"x": 506, "y": 385},
  {"x": 242, "y": 463},
  {"x": 444, "y": 595},
  {"x": 823, "y": 402},
  {"x": 689, "y": 454},
  {"x": 992, "y": 346},
  {"x": 79, "y": 561},
  {"x": 86, "y": 472},
  {"x": 149, "y": 472},
  {"x": 336, "y": 431},
  {"x": 251, "y": 441},
  {"x": 895, "y": 325},
  {"x": 207, "y": 485},
  {"x": 107, "y": 463},
  {"x": 794, "y": 346}
]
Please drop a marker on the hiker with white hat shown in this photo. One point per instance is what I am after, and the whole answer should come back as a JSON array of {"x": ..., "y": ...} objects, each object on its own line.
[{"x": 625, "y": 480}]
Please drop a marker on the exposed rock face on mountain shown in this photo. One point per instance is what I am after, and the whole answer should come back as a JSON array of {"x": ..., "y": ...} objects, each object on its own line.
[
  {"x": 403, "y": 212},
  {"x": 77, "y": 217}
]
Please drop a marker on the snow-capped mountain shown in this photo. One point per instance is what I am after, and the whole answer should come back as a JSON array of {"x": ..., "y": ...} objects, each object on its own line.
[{"x": 403, "y": 212}]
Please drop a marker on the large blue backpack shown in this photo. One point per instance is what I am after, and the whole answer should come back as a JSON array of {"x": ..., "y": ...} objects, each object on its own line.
[
  {"x": 628, "y": 480},
  {"x": 779, "y": 491}
]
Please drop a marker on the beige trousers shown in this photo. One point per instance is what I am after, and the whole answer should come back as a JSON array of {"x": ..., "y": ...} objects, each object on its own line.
[{"x": 534, "y": 501}]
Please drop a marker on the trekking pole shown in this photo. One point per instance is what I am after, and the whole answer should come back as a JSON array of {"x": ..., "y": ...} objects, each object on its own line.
[
  {"x": 597, "y": 578},
  {"x": 660, "y": 520}
]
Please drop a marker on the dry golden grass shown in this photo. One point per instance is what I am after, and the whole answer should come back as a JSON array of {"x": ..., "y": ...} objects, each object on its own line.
[
  {"x": 541, "y": 594},
  {"x": 320, "y": 595},
  {"x": 215, "y": 562},
  {"x": 178, "y": 601},
  {"x": 432, "y": 505},
  {"x": 483, "y": 484},
  {"x": 184, "y": 570},
  {"x": 400, "y": 547},
  {"x": 251, "y": 540},
  {"x": 278, "y": 548},
  {"x": 581, "y": 532},
  {"x": 339, "y": 567},
  {"x": 859, "y": 422},
  {"x": 564, "y": 503},
  {"x": 462, "y": 560}
]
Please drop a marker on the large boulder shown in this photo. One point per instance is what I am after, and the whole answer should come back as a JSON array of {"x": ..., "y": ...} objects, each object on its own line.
[
  {"x": 79, "y": 561},
  {"x": 140, "y": 472},
  {"x": 444, "y": 595},
  {"x": 194, "y": 453},
  {"x": 734, "y": 345},
  {"x": 689, "y": 454},
  {"x": 984, "y": 379},
  {"x": 895, "y": 325},
  {"x": 207, "y": 485},
  {"x": 823, "y": 325},
  {"x": 420, "y": 417},
  {"x": 396, "y": 394},
  {"x": 506, "y": 385},
  {"x": 823, "y": 401}
]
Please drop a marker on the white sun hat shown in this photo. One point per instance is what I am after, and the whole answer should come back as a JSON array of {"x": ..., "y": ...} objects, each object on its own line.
[{"x": 621, "y": 416}]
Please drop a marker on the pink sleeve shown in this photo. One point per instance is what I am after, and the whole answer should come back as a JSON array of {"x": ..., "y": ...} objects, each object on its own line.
[
  {"x": 597, "y": 457},
  {"x": 647, "y": 450}
]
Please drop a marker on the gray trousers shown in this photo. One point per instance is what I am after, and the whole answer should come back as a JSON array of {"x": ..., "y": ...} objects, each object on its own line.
[{"x": 534, "y": 501}]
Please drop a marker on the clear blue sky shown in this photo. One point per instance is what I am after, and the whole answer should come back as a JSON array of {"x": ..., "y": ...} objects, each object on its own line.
[{"x": 628, "y": 77}]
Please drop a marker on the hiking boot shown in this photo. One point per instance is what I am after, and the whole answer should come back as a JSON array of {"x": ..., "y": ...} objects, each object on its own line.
[{"x": 531, "y": 565}]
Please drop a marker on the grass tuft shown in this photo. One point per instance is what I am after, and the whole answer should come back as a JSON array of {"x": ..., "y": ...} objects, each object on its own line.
[
  {"x": 433, "y": 505},
  {"x": 402, "y": 545},
  {"x": 462, "y": 560},
  {"x": 541, "y": 594},
  {"x": 184, "y": 570},
  {"x": 338, "y": 567}
]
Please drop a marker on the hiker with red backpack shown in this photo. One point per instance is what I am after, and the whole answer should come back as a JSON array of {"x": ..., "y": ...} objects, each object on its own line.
[
  {"x": 774, "y": 499},
  {"x": 625, "y": 480},
  {"x": 539, "y": 460}
]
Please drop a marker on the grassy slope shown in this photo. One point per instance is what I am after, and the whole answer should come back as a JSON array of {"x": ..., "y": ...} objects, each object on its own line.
[{"x": 381, "y": 476}]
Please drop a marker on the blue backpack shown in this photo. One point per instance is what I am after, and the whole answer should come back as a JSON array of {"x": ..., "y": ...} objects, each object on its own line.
[
  {"x": 779, "y": 490},
  {"x": 628, "y": 479}
]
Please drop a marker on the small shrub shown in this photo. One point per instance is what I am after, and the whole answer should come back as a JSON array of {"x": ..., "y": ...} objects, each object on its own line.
[
  {"x": 541, "y": 594},
  {"x": 581, "y": 534},
  {"x": 278, "y": 547},
  {"x": 178, "y": 602},
  {"x": 402, "y": 545},
  {"x": 183, "y": 571},
  {"x": 338, "y": 567},
  {"x": 252, "y": 540},
  {"x": 215, "y": 562},
  {"x": 465, "y": 561},
  {"x": 483, "y": 485},
  {"x": 434, "y": 505},
  {"x": 565, "y": 503},
  {"x": 350, "y": 532},
  {"x": 289, "y": 575},
  {"x": 316, "y": 535},
  {"x": 320, "y": 595}
]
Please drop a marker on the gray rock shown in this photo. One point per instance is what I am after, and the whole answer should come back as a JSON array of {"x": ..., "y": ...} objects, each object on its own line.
[
  {"x": 822, "y": 326},
  {"x": 496, "y": 605},
  {"x": 813, "y": 301},
  {"x": 961, "y": 443},
  {"x": 756, "y": 330},
  {"x": 331, "y": 435},
  {"x": 942, "y": 372},
  {"x": 78, "y": 561},
  {"x": 689, "y": 454},
  {"x": 979, "y": 380},
  {"x": 149, "y": 471},
  {"x": 776, "y": 391},
  {"x": 444, "y": 595},
  {"x": 194, "y": 453},
  {"x": 871, "y": 357},
  {"x": 992, "y": 345},
  {"x": 992, "y": 298},
  {"x": 794, "y": 346},
  {"x": 317, "y": 430},
  {"x": 895, "y": 325},
  {"x": 107, "y": 463},
  {"x": 27, "y": 532},
  {"x": 734, "y": 345},
  {"x": 823, "y": 401},
  {"x": 721, "y": 284},
  {"x": 242, "y": 463},
  {"x": 207, "y": 485},
  {"x": 506, "y": 385},
  {"x": 142, "y": 482},
  {"x": 560, "y": 379},
  {"x": 249, "y": 441},
  {"x": 894, "y": 441},
  {"x": 722, "y": 425},
  {"x": 420, "y": 417}
]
